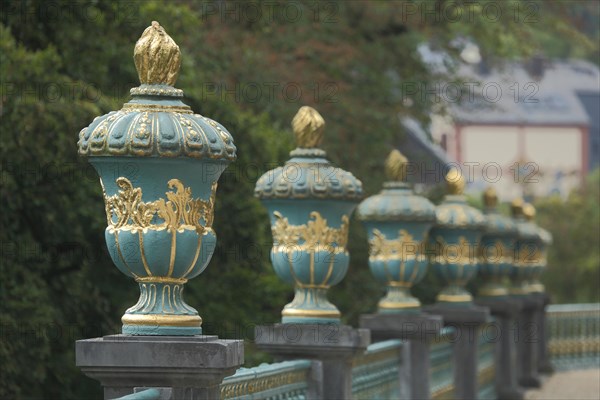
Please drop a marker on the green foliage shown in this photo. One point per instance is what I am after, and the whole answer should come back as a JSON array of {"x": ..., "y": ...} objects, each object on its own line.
[
  {"x": 574, "y": 257},
  {"x": 51, "y": 283},
  {"x": 64, "y": 62}
]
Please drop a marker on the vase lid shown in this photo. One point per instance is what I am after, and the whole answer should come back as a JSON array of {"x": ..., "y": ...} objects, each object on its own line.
[
  {"x": 496, "y": 224},
  {"x": 397, "y": 201},
  {"x": 526, "y": 230},
  {"x": 454, "y": 212},
  {"x": 308, "y": 174},
  {"x": 543, "y": 235},
  {"x": 156, "y": 122}
]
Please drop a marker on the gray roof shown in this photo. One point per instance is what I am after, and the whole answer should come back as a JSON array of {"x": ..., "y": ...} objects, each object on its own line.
[
  {"x": 417, "y": 146},
  {"x": 549, "y": 100},
  {"x": 419, "y": 138}
]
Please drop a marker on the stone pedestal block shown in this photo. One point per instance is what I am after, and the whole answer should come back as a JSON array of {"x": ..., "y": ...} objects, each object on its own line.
[
  {"x": 418, "y": 329},
  {"x": 193, "y": 366},
  {"x": 544, "y": 364},
  {"x": 332, "y": 345},
  {"x": 506, "y": 311},
  {"x": 466, "y": 320},
  {"x": 527, "y": 338}
]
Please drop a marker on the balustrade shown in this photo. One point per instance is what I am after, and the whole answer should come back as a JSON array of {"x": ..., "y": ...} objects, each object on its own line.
[{"x": 159, "y": 164}]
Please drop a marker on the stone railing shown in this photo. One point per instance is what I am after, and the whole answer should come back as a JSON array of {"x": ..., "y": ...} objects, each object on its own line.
[
  {"x": 441, "y": 373},
  {"x": 574, "y": 333},
  {"x": 375, "y": 373},
  {"x": 379, "y": 372},
  {"x": 288, "y": 380}
]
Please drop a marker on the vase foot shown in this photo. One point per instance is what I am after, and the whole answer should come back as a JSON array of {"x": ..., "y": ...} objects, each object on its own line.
[
  {"x": 310, "y": 316},
  {"x": 310, "y": 306},
  {"x": 455, "y": 299},
  {"x": 493, "y": 291},
  {"x": 400, "y": 310},
  {"x": 157, "y": 330},
  {"x": 309, "y": 320},
  {"x": 161, "y": 324},
  {"x": 398, "y": 300}
]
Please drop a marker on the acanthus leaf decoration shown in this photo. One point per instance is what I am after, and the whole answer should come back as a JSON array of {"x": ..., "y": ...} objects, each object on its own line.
[
  {"x": 497, "y": 253},
  {"x": 126, "y": 210},
  {"x": 461, "y": 253},
  {"x": 403, "y": 246},
  {"x": 315, "y": 232}
]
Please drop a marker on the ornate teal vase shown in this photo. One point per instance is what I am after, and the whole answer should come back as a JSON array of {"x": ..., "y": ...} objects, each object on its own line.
[
  {"x": 159, "y": 164},
  {"x": 397, "y": 223},
  {"x": 454, "y": 242},
  {"x": 309, "y": 203},
  {"x": 526, "y": 251},
  {"x": 496, "y": 249},
  {"x": 538, "y": 261}
]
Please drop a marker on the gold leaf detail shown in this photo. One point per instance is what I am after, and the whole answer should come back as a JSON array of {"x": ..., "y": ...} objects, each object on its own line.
[
  {"x": 396, "y": 166},
  {"x": 308, "y": 127},
  {"x": 490, "y": 198},
  {"x": 517, "y": 207},
  {"x": 529, "y": 211},
  {"x": 157, "y": 57},
  {"x": 455, "y": 181}
]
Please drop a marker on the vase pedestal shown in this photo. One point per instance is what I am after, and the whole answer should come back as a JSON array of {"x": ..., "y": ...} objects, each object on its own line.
[
  {"x": 332, "y": 345},
  {"x": 527, "y": 339},
  {"x": 192, "y": 366},
  {"x": 506, "y": 311},
  {"x": 419, "y": 330},
  {"x": 466, "y": 319},
  {"x": 544, "y": 364}
]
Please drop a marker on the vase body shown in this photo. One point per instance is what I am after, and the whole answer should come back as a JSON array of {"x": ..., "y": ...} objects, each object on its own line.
[
  {"x": 454, "y": 245},
  {"x": 527, "y": 248},
  {"x": 309, "y": 202},
  {"x": 159, "y": 164},
  {"x": 397, "y": 223},
  {"x": 496, "y": 253},
  {"x": 309, "y": 252},
  {"x": 159, "y": 215},
  {"x": 539, "y": 261}
]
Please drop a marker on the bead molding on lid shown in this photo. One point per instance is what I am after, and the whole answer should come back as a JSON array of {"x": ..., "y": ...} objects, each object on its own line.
[
  {"x": 308, "y": 127},
  {"x": 157, "y": 57}
]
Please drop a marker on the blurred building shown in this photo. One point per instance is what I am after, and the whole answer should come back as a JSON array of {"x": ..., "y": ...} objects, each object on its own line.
[
  {"x": 427, "y": 160},
  {"x": 530, "y": 129}
]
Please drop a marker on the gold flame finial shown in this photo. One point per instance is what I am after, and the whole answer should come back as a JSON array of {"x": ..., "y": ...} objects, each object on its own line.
[
  {"x": 157, "y": 57},
  {"x": 529, "y": 211},
  {"x": 396, "y": 166},
  {"x": 308, "y": 127},
  {"x": 455, "y": 181},
  {"x": 517, "y": 207},
  {"x": 490, "y": 198}
]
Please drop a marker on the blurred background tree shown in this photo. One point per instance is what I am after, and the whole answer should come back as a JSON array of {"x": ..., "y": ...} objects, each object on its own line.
[
  {"x": 64, "y": 62},
  {"x": 573, "y": 274}
]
